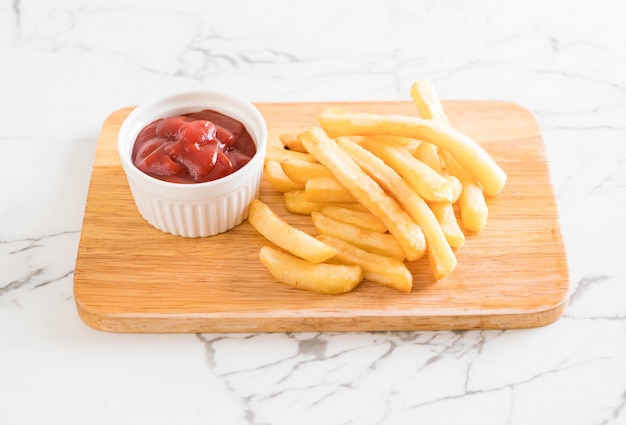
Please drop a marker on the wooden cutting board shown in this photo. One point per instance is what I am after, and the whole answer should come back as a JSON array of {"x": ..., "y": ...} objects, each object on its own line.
[{"x": 131, "y": 277}]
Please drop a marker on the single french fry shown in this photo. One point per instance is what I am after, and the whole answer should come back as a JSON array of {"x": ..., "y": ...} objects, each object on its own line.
[
  {"x": 442, "y": 258},
  {"x": 278, "y": 154},
  {"x": 444, "y": 212},
  {"x": 379, "y": 243},
  {"x": 366, "y": 191},
  {"x": 427, "y": 102},
  {"x": 302, "y": 171},
  {"x": 295, "y": 202},
  {"x": 322, "y": 278},
  {"x": 363, "y": 219},
  {"x": 474, "y": 211},
  {"x": 429, "y": 155},
  {"x": 464, "y": 149},
  {"x": 379, "y": 269},
  {"x": 431, "y": 185},
  {"x": 327, "y": 190},
  {"x": 278, "y": 231},
  {"x": 456, "y": 185},
  {"x": 278, "y": 179},
  {"x": 290, "y": 142}
]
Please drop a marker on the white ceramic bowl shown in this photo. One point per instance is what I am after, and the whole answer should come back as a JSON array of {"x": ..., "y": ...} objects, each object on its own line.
[{"x": 196, "y": 209}]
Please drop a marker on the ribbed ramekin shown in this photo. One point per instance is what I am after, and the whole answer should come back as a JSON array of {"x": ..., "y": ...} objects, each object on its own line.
[{"x": 196, "y": 209}]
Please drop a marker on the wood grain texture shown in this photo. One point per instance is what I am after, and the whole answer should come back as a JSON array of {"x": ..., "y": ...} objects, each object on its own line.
[{"x": 131, "y": 277}]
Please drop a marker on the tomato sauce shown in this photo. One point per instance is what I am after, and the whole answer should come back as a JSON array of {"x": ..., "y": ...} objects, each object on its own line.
[{"x": 193, "y": 148}]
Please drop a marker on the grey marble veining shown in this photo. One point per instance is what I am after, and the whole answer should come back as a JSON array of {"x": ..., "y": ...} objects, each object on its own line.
[{"x": 67, "y": 64}]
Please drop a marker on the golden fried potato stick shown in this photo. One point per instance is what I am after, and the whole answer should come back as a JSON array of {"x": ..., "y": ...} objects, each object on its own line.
[
  {"x": 441, "y": 256},
  {"x": 444, "y": 212},
  {"x": 322, "y": 278},
  {"x": 328, "y": 190},
  {"x": 290, "y": 142},
  {"x": 379, "y": 243},
  {"x": 379, "y": 269},
  {"x": 302, "y": 171},
  {"x": 295, "y": 202},
  {"x": 366, "y": 191},
  {"x": 277, "y": 230},
  {"x": 429, "y": 155},
  {"x": 465, "y": 150},
  {"x": 474, "y": 211},
  {"x": 363, "y": 219},
  {"x": 457, "y": 186},
  {"x": 278, "y": 179},
  {"x": 427, "y": 102},
  {"x": 430, "y": 185}
]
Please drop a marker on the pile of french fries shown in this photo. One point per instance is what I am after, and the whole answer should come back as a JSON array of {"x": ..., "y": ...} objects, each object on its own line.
[{"x": 381, "y": 191}]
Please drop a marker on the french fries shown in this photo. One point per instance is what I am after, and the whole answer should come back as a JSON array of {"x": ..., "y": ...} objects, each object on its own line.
[
  {"x": 322, "y": 278},
  {"x": 465, "y": 150},
  {"x": 472, "y": 202},
  {"x": 456, "y": 185},
  {"x": 377, "y": 268},
  {"x": 431, "y": 185},
  {"x": 429, "y": 155},
  {"x": 427, "y": 102},
  {"x": 327, "y": 189},
  {"x": 296, "y": 202},
  {"x": 428, "y": 106},
  {"x": 366, "y": 191},
  {"x": 442, "y": 259},
  {"x": 381, "y": 191},
  {"x": 474, "y": 209},
  {"x": 277, "y": 230},
  {"x": 446, "y": 217},
  {"x": 379, "y": 243},
  {"x": 290, "y": 142},
  {"x": 360, "y": 218},
  {"x": 278, "y": 179},
  {"x": 302, "y": 171}
]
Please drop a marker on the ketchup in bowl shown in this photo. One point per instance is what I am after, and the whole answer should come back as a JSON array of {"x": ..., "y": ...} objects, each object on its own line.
[{"x": 193, "y": 148}]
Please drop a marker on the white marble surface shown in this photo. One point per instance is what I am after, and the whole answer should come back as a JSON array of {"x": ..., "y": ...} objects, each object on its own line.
[{"x": 67, "y": 64}]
